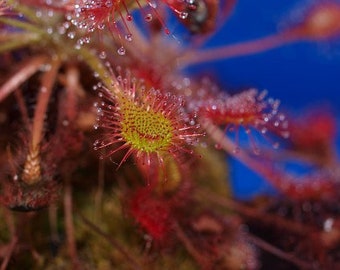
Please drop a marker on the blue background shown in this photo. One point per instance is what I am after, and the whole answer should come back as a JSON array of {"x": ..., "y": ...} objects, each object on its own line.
[{"x": 301, "y": 75}]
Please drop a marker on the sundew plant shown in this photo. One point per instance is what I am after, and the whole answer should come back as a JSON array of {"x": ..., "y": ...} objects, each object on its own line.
[{"x": 121, "y": 124}]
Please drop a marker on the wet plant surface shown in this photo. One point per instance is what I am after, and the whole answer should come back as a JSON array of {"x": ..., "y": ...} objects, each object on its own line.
[{"x": 114, "y": 156}]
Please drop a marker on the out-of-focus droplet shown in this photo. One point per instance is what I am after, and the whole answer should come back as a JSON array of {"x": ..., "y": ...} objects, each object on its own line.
[{"x": 121, "y": 51}]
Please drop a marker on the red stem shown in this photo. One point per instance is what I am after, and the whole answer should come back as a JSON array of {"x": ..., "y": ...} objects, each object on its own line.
[
  {"x": 279, "y": 253},
  {"x": 239, "y": 49},
  {"x": 253, "y": 213},
  {"x": 69, "y": 226},
  {"x": 190, "y": 247},
  {"x": 48, "y": 80},
  {"x": 28, "y": 69}
]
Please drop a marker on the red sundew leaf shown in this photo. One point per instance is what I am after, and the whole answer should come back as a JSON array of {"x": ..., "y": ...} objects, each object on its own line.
[
  {"x": 245, "y": 108},
  {"x": 95, "y": 14},
  {"x": 321, "y": 21},
  {"x": 151, "y": 213},
  {"x": 144, "y": 123},
  {"x": 112, "y": 14},
  {"x": 317, "y": 186},
  {"x": 248, "y": 109},
  {"x": 199, "y": 16},
  {"x": 313, "y": 132}
]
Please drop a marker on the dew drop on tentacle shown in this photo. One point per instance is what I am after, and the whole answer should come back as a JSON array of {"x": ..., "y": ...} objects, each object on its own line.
[
  {"x": 49, "y": 30},
  {"x": 129, "y": 17},
  {"x": 236, "y": 150},
  {"x": 101, "y": 26},
  {"x": 128, "y": 37},
  {"x": 218, "y": 146},
  {"x": 38, "y": 14},
  {"x": 102, "y": 55},
  {"x": 183, "y": 15},
  {"x": 121, "y": 51},
  {"x": 148, "y": 17}
]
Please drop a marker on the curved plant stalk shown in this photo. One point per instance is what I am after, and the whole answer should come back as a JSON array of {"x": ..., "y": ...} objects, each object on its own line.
[
  {"x": 12, "y": 41},
  {"x": 32, "y": 168},
  {"x": 218, "y": 136},
  {"x": 282, "y": 180},
  {"x": 250, "y": 212},
  {"x": 34, "y": 34},
  {"x": 289, "y": 257},
  {"x": 9, "y": 219},
  {"x": 31, "y": 66},
  {"x": 47, "y": 83},
  {"x": 190, "y": 247},
  {"x": 253, "y": 213},
  {"x": 239, "y": 49},
  {"x": 22, "y": 25},
  {"x": 69, "y": 224},
  {"x": 29, "y": 13},
  {"x": 9, "y": 253}
]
